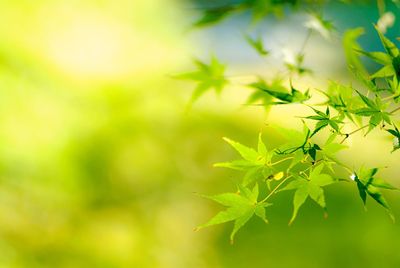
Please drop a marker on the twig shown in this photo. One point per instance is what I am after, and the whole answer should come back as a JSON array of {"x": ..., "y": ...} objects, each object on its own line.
[{"x": 351, "y": 133}]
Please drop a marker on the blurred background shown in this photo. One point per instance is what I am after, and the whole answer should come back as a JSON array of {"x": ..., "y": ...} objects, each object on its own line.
[{"x": 100, "y": 157}]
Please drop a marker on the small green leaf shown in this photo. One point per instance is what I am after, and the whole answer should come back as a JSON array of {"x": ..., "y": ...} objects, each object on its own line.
[
  {"x": 368, "y": 184},
  {"x": 212, "y": 16},
  {"x": 240, "y": 222},
  {"x": 300, "y": 197},
  {"x": 240, "y": 208},
  {"x": 295, "y": 96},
  {"x": 317, "y": 194},
  {"x": 260, "y": 211},
  {"x": 257, "y": 44},
  {"x": 208, "y": 76}
]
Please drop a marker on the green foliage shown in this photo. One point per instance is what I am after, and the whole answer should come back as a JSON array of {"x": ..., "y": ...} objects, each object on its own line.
[
  {"x": 281, "y": 94},
  {"x": 241, "y": 207},
  {"x": 255, "y": 163},
  {"x": 367, "y": 183},
  {"x": 307, "y": 161},
  {"x": 309, "y": 186},
  {"x": 324, "y": 120},
  {"x": 259, "y": 9},
  {"x": 208, "y": 76},
  {"x": 396, "y": 140}
]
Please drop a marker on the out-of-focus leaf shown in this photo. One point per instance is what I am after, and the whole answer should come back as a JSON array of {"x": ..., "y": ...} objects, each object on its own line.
[
  {"x": 319, "y": 24},
  {"x": 257, "y": 44},
  {"x": 295, "y": 96},
  {"x": 213, "y": 16},
  {"x": 208, "y": 76}
]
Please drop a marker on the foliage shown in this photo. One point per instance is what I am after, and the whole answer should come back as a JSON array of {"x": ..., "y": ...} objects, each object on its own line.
[{"x": 301, "y": 164}]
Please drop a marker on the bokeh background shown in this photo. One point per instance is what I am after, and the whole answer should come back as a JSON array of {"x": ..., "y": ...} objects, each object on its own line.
[{"x": 100, "y": 157}]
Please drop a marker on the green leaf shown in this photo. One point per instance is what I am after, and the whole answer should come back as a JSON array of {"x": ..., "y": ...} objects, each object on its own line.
[
  {"x": 379, "y": 57},
  {"x": 254, "y": 163},
  {"x": 350, "y": 47},
  {"x": 317, "y": 194},
  {"x": 208, "y": 76},
  {"x": 247, "y": 153},
  {"x": 368, "y": 184},
  {"x": 295, "y": 96},
  {"x": 227, "y": 199},
  {"x": 375, "y": 119},
  {"x": 253, "y": 174},
  {"x": 240, "y": 222},
  {"x": 332, "y": 148},
  {"x": 370, "y": 103},
  {"x": 390, "y": 48},
  {"x": 396, "y": 140},
  {"x": 309, "y": 187},
  {"x": 260, "y": 211},
  {"x": 227, "y": 215},
  {"x": 380, "y": 183},
  {"x": 213, "y": 16},
  {"x": 237, "y": 164},
  {"x": 294, "y": 184},
  {"x": 300, "y": 197},
  {"x": 385, "y": 71},
  {"x": 257, "y": 44},
  {"x": 240, "y": 208},
  {"x": 319, "y": 179}
]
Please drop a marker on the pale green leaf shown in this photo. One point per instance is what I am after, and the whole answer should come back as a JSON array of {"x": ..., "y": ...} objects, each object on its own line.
[
  {"x": 317, "y": 194},
  {"x": 246, "y": 152},
  {"x": 300, "y": 197},
  {"x": 240, "y": 222}
]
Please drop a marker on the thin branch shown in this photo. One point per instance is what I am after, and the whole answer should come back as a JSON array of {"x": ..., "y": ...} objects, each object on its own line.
[
  {"x": 281, "y": 183},
  {"x": 303, "y": 46},
  {"x": 395, "y": 110},
  {"x": 275, "y": 189},
  {"x": 280, "y": 161},
  {"x": 353, "y": 132}
]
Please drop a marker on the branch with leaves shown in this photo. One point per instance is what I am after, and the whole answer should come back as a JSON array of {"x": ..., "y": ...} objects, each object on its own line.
[{"x": 301, "y": 164}]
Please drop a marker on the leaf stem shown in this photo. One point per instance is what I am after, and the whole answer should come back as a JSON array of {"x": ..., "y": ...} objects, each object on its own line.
[
  {"x": 395, "y": 110},
  {"x": 280, "y": 161},
  {"x": 275, "y": 189},
  {"x": 281, "y": 183},
  {"x": 351, "y": 133},
  {"x": 303, "y": 46},
  {"x": 390, "y": 97}
]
